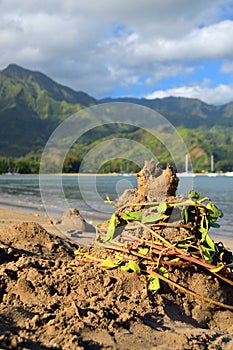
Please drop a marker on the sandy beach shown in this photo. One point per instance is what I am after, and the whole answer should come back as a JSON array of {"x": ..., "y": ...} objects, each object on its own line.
[
  {"x": 10, "y": 216},
  {"x": 52, "y": 299}
]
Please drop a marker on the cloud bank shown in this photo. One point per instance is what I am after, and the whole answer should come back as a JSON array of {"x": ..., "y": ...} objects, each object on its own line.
[{"x": 113, "y": 47}]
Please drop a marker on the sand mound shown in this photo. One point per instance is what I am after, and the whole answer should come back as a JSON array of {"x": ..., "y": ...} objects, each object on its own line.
[
  {"x": 32, "y": 238},
  {"x": 46, "y": 303}
]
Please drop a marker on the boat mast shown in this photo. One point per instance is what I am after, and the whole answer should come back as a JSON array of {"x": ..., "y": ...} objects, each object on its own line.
[
  {"x": 212, "y": 163},
  {"x": 187, "y": 163}
]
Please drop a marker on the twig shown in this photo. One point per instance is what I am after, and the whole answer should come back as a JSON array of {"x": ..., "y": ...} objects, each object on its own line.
[
  {"x": 185, "y": 290},
  {"x": 154, "y": 233}
]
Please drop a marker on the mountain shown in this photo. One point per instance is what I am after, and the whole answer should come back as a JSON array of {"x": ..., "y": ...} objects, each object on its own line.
[
  {"x": 31, "y": 80},
  {"x": 31, "y": 106},
  {"x": 186, "y": 112}
]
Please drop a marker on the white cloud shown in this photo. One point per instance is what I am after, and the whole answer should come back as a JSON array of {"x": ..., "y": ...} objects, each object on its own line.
[
  {"x": 210, "y": 42},
  {"x": 227, "y": 67},
  {"x": 98, "y": 45},
  {"x": 218, "y": 95}
]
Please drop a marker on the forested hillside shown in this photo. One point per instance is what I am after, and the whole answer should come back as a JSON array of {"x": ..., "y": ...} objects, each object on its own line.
[{"x": 32, "y": 105}]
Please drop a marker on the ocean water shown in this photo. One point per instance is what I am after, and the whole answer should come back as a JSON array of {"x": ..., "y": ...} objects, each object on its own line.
[{"x": 54, "y": 194}]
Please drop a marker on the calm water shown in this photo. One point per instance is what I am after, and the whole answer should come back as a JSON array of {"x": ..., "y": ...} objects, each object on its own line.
[{"x": 88, "y": 193}]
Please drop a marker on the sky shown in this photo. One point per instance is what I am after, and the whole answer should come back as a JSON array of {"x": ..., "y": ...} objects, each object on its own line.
[{"x": 118, "y": 48}]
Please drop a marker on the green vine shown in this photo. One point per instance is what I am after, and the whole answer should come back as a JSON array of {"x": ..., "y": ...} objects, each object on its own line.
[{"x": 139, "y": 240}]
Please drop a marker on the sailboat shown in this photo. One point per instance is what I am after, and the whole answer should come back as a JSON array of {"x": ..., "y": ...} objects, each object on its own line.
[
  {"x": 187, "y": 173},
  {"x": 212, "y": 172}
]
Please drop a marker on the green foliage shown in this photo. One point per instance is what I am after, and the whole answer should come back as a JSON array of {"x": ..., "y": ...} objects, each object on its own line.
[
  {"x": 33, "y": 105},
  {"x": 131, "y": 266},
  {"x": 185, "y": 215},
  {"x": 153, "y": 218},
  {"x": 205, "y": 142},
  {"x": 154, "y": 282},
  {"x": 208, "y": 215},
  {"x": 110, "y": 263},
  {"x": 29, "y": 164},
  {"x": 111, "y": 228},
  {"x": 143, "y": 251},
  {"x": 151, "y": 251},
  {"x": 162, "y": 207},
  {"x": 194, "y": 195},
  {"x": 133, "y": 215},
  {"x": 213, "y": 213},
  {"x": 207, "y": 253}
]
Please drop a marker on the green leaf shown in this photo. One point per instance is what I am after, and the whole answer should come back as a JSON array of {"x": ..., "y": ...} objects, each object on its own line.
[
  {"x": 213, "y": 213},
  {"x": 154, "y": 280},
  {"x": 163, "y": 272},
  {"x": 118, "y": 257},
  {"x": 132, "y": 265},
  {"x": 125, "y": 268},
  {"x": 206, "y": 238},
  {"x": 194, "y": 195},
  {"x": 185, "y": 215},
  {"x": 154, "y": 284},
  {"x": 154, "y": 218},
  {"x": 143, "y": 251},
  {"x": 110, "y": 264},
  {"x": 203, "y": 231},
  {"x": 133, "y": 215},
  {"x": 175, "y": 260},
  {"x": 210, "y": 243},
  {"x": 162, "y": 207},
  {"x": 111, "y": 228},
  {"x": 182, "y": 245},
  {"x": 206, "y": 253}
]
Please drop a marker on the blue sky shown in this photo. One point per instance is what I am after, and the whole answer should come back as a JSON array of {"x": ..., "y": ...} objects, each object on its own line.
[{"x": 112, "y": 48}]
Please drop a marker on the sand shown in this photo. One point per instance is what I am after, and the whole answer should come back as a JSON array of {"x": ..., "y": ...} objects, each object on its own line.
[
  {"x": 55, "y": 225},
  {"x": 10, "y": 216},
  {"x": 52, "y": 299}
]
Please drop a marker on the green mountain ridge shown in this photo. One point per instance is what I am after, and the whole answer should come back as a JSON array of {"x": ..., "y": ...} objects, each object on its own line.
[
  {"x": 54, "y": 90},
  {"x": 182, "y": 111},
  {"x": 32, "y": 105}
]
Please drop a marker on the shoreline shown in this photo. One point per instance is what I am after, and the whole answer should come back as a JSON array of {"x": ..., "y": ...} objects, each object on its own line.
[
  {"x": 10, "y": 216},
  {"x": 181, "y": 174},
  {"x": 9, "y": 213}
]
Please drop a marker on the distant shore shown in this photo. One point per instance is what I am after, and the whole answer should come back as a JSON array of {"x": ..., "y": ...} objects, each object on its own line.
[{"x": 183, "y": 174}]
